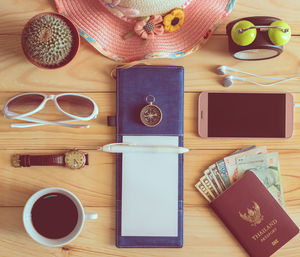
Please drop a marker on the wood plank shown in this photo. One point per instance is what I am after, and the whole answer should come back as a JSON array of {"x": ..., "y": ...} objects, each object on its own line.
[
  {"x": 90, "y": 71},
  {"x": 193, "y": 141},
  {"x": 204, "y": 234},
  {"x": 95, "y": 184},
  {"x": 15, "y": 13},
  {"x": 55, "y": 137}
]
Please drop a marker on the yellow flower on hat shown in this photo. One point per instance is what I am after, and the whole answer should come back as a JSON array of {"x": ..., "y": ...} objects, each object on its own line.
[{"x": 173, "y": 20}]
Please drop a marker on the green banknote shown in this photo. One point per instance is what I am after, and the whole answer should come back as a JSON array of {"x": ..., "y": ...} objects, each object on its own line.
[{"x": 266, "y": 168}]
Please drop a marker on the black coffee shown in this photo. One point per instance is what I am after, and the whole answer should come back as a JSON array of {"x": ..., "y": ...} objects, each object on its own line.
[{"x": 54, "y": 215}]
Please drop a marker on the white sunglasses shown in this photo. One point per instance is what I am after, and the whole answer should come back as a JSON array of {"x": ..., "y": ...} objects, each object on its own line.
[{"x": 77, "y": 107}]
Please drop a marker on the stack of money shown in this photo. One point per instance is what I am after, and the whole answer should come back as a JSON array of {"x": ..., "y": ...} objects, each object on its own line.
[{"x": 222, "y": 174}]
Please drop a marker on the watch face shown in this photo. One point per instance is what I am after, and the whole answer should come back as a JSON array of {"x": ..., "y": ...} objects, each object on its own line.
[{"x": 75, "y": 159}]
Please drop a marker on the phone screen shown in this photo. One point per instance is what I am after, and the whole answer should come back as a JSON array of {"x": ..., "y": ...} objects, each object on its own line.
[{"x": 246, "y": 115}]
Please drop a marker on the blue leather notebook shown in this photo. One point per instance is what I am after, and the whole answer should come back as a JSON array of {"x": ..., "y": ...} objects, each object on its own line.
[{"x": 149, "y": 197}]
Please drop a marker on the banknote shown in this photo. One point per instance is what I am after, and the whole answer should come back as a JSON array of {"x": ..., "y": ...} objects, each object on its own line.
[
  {"x": 223, "y": 172},
  {"x": 209, "y": 186},
  {"x": 221, "y": 167},
  {"x": 211, "y": 178},
  {"x": 266, "y": 168},
  {"x": 244, "y": 149},
  {"x": 213, "y": 168},
  {"x": 230, "y": 161},
  {"x": 203, "y": 190}
]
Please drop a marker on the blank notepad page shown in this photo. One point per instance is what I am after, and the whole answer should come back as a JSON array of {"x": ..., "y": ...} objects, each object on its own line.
[{"x": 150, "y": 189}]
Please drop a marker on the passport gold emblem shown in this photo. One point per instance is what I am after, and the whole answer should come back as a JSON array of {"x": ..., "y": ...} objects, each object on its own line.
[{"x": 253, "y": 216}]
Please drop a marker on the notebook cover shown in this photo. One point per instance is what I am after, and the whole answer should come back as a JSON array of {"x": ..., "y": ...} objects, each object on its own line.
[
  {"x": 166, "y": 83},
  {"x": 254, "y": 217}
]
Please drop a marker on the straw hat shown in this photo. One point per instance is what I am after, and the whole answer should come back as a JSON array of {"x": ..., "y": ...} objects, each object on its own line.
[{"x": 130, "y": 30}]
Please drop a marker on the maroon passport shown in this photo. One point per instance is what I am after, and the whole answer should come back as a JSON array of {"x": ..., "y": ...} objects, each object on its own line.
[{"x": 254, "y": 217}]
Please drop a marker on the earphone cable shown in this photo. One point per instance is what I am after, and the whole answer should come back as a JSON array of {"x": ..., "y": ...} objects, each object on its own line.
[
  {"x": 257, "y": 76},
  {"x": 297, "y": 105},
  {"x": 275, "y": 83}
]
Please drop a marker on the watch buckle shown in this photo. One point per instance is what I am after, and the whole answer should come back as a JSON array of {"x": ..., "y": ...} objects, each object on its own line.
[{"x": 15, "y": 161}]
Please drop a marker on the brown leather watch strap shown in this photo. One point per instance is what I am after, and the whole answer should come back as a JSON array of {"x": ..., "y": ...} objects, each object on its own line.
[
  {"x": 86, "y": 159},
  {"x": 42, "y": 160}
]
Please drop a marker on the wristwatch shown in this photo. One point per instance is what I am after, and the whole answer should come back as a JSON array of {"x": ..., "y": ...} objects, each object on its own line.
[{"x": 73, "y": 159}]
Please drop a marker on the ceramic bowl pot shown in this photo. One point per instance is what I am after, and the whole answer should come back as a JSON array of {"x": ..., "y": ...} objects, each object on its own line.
[{"x": 50, "y": 40}]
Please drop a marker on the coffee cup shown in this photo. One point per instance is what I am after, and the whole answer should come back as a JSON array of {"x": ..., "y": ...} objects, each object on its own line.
[{"x": 54, "y": 217}]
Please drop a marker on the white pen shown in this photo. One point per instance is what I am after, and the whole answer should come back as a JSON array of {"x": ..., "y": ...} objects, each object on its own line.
[{"x": 130, "y": 148}]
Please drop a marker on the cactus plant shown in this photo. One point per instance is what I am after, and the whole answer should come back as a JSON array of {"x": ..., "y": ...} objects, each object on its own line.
[{"x": 49, "y": 41}]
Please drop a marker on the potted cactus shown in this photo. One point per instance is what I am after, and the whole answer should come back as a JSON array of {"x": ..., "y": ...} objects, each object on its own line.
[{"x": 50, "y": 40}]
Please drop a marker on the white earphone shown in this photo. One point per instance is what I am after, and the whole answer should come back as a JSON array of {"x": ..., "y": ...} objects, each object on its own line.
[{"x": 228, "y": 80}]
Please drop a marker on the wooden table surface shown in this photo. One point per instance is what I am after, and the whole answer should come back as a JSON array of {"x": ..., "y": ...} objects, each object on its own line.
[{"x": 89, "y": 73}]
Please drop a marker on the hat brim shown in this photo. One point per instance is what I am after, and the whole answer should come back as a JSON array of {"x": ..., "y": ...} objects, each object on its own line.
[{"x": 105, "y": 31}]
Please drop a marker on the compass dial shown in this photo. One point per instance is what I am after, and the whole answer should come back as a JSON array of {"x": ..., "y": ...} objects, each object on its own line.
[{"x": 151, "y": 115}]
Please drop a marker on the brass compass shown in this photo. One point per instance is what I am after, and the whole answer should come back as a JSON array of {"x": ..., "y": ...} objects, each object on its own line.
[{"x": 151, "y": 114}]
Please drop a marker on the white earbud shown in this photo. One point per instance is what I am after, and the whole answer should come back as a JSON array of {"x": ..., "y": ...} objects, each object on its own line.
[
  {"x": 228, "y": 81},
  {"x": 221, "y": 70}
]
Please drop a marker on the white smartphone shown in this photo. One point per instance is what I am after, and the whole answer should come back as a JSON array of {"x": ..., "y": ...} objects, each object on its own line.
[{"x": 245, "y": 115}]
